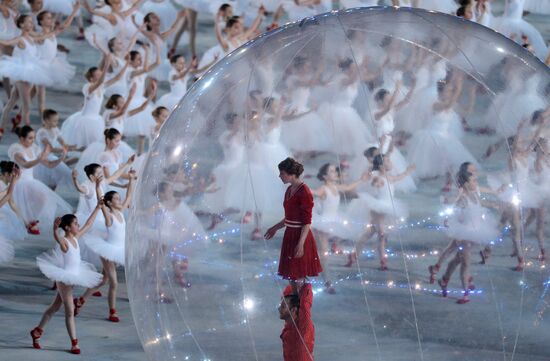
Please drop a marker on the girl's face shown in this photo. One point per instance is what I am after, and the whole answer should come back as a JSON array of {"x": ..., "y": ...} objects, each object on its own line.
[
  {"x": 332, "y": 174},
  {"x": 471, "y": 169},
  {"x": 28, "y": 140},
  {"x": 235, "y": 30},
  {"x": 227, "y": 13},
  {"x": 98, "y": 173},
  {"x": 95, "y": 76},
  {"x": 52, "y": 121},
  {"x": 119, "y": 103},
  {"x": 137, "y": 61},
  {"x": 113, "y": 143},
  {"x": 116, "y": 202},
  {"x": 118, "y": 45},
  {"x": 115, "y": 4},
  {"x": 163, "y": 115},
  {"x": 377, "y": 182},
  {"x": 180, "y": 63},
  {"x": 286, "y": 178},
  {"x": 27, "y": 24},
  {"x": 468, "y": 13},
  {"x": 46, "y": 21},
  {"x": 167, "y": 194},
  {"x": 154, "y": 21},
  {"x": 387, "y": 164},
  {"x": 74, "y": 227},
  {"x": 37, "y": 5},
  {"x": 471, "y": 184}
]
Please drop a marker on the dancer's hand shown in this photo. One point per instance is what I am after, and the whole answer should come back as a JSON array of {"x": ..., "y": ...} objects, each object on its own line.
[
  {"x": 57, "y": 222},
  {"x": 131, "y": 159},
  {"x": 270, "y": 233},
  {"x": 299, "y": 251}
]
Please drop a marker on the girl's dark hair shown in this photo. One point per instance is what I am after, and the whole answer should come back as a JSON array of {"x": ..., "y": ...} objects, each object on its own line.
[
  {"x": 23, "y": 131},
  {"x": 111, "y": 102},
  {"x": 111, "y": 44},
  {"x": 108, "y": 198},
  {"x": 162, "y": 187},
  {"x": 90, "y": 169},
  {"x": 157, "y": 111},
  {"x": 378, "y": 162},
  {"x": 111, "y": 133},
  {"x": 133, "y": 55},
  {"x": 345, "y": 64},
  {"x": 224, "y": 7},
  {"x": 463, "y": 178},
  {"x": 379, "y": 96},
  {"x": 7, "y": 167},
  {"x": 66, "y": 221},
  {"x": 90, "y": 73},
  {"x": 174, "y": 58},
  {"x": 370, "y": 152},
  {"x": 464, "y": 167},
  {"x": 230, "y": 119},
  {"x": 323, "y": 172},
  {"x": 20, "y": 20},
  {"x": 291, "y": 166},
  {"x": 40, "y": 16},
  {"x": 47, "y": 113},
  {"x": 231, "y": 22},
  {"x": 147, "y": 20},
  {"x": 537, "y": 118},
  {"x": 461, "y": 11}
]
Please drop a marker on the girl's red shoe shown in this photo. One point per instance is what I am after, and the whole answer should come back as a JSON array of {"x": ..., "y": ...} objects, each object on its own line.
[
  {"x": 352, "y": 258},
  {"x": 36, "y": 333},
  {"x": 112, "y": 315},
  {"x": 433, "y": 271},
  {"x": 32, "y": 228},
  {"x": 74, "y": 347},
  {"x": 78, "y": 303},
  {"x": 97, "y": 294}
]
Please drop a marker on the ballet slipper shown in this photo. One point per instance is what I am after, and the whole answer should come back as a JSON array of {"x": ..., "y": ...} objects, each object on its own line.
[
  {"x": 464, "y": 298},
  {"x": 384, "y": 264},
  {"x": 483, "y": 257},
  {"x": 542, "y": 255},
  {"x": 78, "y": 303},
  {"x": 215, "y": 220},
  {"x": 182, "y": 281},
  {"x": 443, "y": 284},
  {"x": 433, "y": 271},
  {"x": 97, "y": 294},
  {"x": 80, "y": 35},
  {"x": 247, "y": 218},
  {"x": 36, "y": 333},
  {"x": 471, "y": 285},
  {"x": 329, "y": 288},
  {"x": 513, "y": 254},
  {"x": 74, "y": 347},
  {"x": 256, "y": 235},
  {"x": 520, "y": 265},
  {"x": 15, "y": 122},
  {"x": 335, "y": 249},
  {"x": 1, "y": 132},
  {"x": 32, "y": 228},
  {"x": 113, "y": 316},
  {"x": 352, "y": 258}
]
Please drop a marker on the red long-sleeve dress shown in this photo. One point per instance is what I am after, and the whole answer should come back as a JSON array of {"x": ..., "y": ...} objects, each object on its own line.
[
  {"x": 298, "y": 208},
  {"x": 299, "y": 336}
]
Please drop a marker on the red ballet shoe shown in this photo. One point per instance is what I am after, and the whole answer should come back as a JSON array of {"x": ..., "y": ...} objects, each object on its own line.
[
  {"x": 247, "y": 218},
  {"x": 471, "y": 285},
  {"x": 1, "y": 132},
  {"x": 352, "y": 258},
  {"x": 520, "y": 265},
  {"x": 483, "y": 256},
  {"x": 97, "y": 294},
  {"x": 74, "y": 347},
  {"x": 256, "y": 235},
  {"x": 78, "y": 303},
  {"x": 384, "y": 264},
  {"x": 36, "y": 333},
  {"x": 542, "y": 255},
  {"x": 464, "y": 298},
  {"x": 335, "y": 249},
  {"x": 329, "y": 288},
  {"x": 32, "y": 228},
  {"x": 80, "y": 35},
  {"x": 112, "y": 315},
  {"x": 433, "y": 271},
  {"x": 443, "y": 284},
  {"x": 15, "y": 122},
  {"x": 215, "y": 220}
]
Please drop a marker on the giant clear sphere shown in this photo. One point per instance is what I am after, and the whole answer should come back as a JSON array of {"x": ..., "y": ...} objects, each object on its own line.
[{"x": 395, "y": 101}]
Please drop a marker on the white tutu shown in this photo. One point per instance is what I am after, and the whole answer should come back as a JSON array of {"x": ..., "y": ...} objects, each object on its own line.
[
  {"x": 8, "y": 28},
  {"x": 110, "y": 247},
  {"x": 520, "y": 189},
  {"x": 60, "y": 175},
  {"x": 140, "y": 123},
  {"x": 328, "y": 218},
  {"x": 64, "y": 7},
  {"x": 379, "y": 201},
  {"x": 7, "y": 251},
  {"x": 82, "y": 130},
  {"x": 56, "y": 63},
  {"x": 472, "y": 223},
  {"x": 68, "y": 268},
  {"x": 211, "y": 54},
  {"x": 11, "y": 226},
  {"x": 178, "y": 88},
  {"x": 25, "y": 65},
  {"x": 104, "y": 30},
  {"x": 178, "y": 227}
]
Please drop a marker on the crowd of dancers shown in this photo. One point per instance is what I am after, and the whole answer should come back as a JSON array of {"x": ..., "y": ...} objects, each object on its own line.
[{"x": 410, "y": 128}]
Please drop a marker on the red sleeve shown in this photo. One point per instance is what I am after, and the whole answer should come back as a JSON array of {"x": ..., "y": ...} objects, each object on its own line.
[
  {"x": 306, "y": 205},
  {"x": 305, "y": 324}
]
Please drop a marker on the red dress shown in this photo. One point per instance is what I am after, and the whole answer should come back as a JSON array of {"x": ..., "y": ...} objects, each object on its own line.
[
  {"x": 298, "y": 210},
  {"x": 299, "y": 336}
]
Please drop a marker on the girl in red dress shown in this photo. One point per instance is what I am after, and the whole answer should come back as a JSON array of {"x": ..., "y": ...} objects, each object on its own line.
[{"x": 299, "y": 258}]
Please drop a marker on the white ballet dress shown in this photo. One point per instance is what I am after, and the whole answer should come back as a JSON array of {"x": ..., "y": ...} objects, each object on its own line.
[
  {"x": 328, "y": 216},
  {"x": 119, "y": 87},
  {"x": 512, "y": 23},
  {"x": 472, "y": 222},
  {"x": 112, "y": 159},
  {"x": 86, "y": 126},
  {"x": 8, "y": 28},
  {"x": 104, "y": 30},
  {"x": 60, "y": 175},
  {"x": 161, "y": 71},
  {"x": 64, "y": 7},
  {"x": 164, "y": 9},
  {"x": 437, "y": 149},
  {"x": 33, "y": 198},
  {"x": 178, "y": 227},
  {"x": 11, "y": 226},
  {"x": 114, "y": 123},
  {"x": 25, "y": 65},
  {"x": 139, "y": 124},
  {"x": 110, "y": 247},
  {"x": 56, "y": 63},
  {"x": 67, "y": 267},
  {"x": 178, "y": 88}
]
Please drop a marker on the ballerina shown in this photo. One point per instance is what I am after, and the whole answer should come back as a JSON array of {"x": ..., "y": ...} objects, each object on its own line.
[
  {"x": 8, "y": 30},
  {"x": 381, "y": 203},
  {"x": 64, "y": 266},
  {"x": 57, "y": 66},
  {"x": 6, "y": 244},
  {"x": 24, "y": 68},
  {"x": 327, "y": 219},
  {"x": 469, "y": 224},
  {"x": 10, "y": 213},
  {"x": 299, "y": 258},
  {"x": 50, "y": 136},
  {"x": 109, "y": 247},
  {"x": 36, "y": 201}
]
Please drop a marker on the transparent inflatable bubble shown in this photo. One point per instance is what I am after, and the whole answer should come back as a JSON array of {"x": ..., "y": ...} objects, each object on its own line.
[{"x": 395, "y": 101}]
